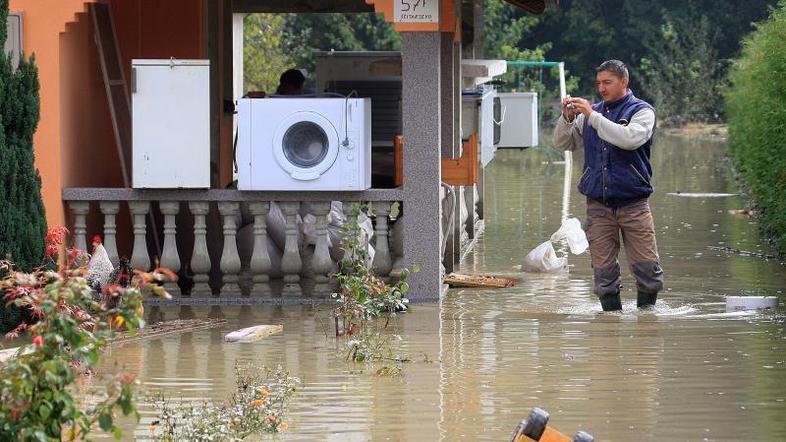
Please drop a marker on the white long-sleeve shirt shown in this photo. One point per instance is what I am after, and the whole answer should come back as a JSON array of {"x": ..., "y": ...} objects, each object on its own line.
[{"x": 568, "y": 135}]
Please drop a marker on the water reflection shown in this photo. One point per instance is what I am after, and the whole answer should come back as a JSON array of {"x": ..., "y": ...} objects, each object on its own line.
[{"x": 483, "y": 358}]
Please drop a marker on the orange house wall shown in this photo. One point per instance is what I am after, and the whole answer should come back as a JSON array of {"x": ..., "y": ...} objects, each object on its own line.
[{"x": 74, "y": 144}]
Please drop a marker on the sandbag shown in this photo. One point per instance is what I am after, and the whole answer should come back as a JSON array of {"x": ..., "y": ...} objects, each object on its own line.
[{"x": 543, "y": 259}]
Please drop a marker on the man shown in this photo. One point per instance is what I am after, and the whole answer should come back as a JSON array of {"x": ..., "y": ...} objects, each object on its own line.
[
  {"x": 616, "y": 135},
  {"x": 291, "y": 82}
]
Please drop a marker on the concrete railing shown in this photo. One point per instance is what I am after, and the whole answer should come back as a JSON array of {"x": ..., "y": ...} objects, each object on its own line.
[{"x": 222, "y": 243}]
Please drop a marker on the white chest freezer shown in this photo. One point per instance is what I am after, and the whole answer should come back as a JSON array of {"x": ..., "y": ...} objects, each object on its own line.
[
  {"x": 520, "y": 127},
  {"x": 171, "y": 123}
]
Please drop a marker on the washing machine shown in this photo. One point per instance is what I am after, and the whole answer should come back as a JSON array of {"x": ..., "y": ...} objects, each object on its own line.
[{"x": 297, "y": 143}]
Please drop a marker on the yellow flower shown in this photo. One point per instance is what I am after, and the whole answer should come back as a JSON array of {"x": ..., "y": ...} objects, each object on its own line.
[
  {"x": 257, "y": 403},
  {"x": 119, "y": 321},
  {"x": 263, "y": 391},
  {"x": 283, "y": 426}
]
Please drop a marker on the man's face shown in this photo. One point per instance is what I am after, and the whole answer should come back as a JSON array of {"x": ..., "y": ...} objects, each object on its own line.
[{"x": 610, "y": 86}]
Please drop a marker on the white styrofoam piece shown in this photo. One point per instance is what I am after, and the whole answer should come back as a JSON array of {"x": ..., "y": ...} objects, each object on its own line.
[
  {"x": 255, "y": 333},
  {"x": 737, "y": 303},
  {"x": 483, "y": 68}
]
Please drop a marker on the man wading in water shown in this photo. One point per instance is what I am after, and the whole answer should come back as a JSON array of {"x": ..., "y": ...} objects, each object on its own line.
[{"x": 616, "y": 135}]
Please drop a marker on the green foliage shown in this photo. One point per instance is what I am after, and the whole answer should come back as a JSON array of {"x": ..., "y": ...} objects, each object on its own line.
[
  {"x": 307, "y": 34},
  {"x": 584, "y": 33},
  {"x": 257, "y": 406},
  {"x": 22, "y": 219},
  {"x": 362, "y": 295},
  {"x": 264, "y": 53},
  {"x": 73, "y": 327},
  {"x": 277, "y": 42},
  {"x": 757, "y": 120},
  {"x": 682, "y": 74}
]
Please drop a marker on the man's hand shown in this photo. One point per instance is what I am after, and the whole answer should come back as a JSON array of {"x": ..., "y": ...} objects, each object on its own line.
[
  {"x": 568, "y": 110},
  {"x": 580, "y": 106}
]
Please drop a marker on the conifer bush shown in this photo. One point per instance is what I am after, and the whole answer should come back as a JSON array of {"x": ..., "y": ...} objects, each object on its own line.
[
  {"x": 22, "y": 220},
  {"x": 757, "y": 121}
]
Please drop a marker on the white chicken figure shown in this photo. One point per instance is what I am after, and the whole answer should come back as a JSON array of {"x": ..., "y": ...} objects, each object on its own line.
[{"x": 99, "y": 268}]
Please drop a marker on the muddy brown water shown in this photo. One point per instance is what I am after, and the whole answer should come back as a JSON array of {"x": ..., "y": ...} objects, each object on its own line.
[{"x": 481, "y": 359}]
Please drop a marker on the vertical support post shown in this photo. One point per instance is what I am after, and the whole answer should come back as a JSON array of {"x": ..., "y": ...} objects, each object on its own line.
[
  {"x": 448, "y": 144},
  {"x": 421, "y": 66},
  {"x": 80, "y": 209},
  {"x": 382, "y": 263},
  {"x": 260, "y": 259},
  {"x": 230, "y": 259},
  {"x": 321, "y": 263},
  {"x": 170, "y": 259},
  {"x": 200, "y": 259},
  {"x": 110, "y": 210},
  {"x": 140, "y": 258},
  {"x": 291, "y": 264}
]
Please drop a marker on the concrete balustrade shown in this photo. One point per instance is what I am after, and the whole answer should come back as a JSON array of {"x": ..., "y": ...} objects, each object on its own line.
[{"x": 305, "y": 268}]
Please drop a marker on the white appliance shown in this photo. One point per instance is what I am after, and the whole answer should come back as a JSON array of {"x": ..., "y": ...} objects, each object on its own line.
[
  {"x": 520, "y": 128},
  {"x": 171, "y": 123},
  {"x": 304, "y": 144},
  {"x": 481, "y": 112}
]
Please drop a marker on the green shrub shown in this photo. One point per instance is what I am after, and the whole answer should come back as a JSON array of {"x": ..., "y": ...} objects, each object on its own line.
[
  {"x": 757, "y": 121},
  {"x": 22, "y": 220}
]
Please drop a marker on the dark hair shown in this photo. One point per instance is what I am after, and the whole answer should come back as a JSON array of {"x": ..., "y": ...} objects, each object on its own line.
[
  {"x": 292, "y": 77},
  {"x": 616, "y": 67}
]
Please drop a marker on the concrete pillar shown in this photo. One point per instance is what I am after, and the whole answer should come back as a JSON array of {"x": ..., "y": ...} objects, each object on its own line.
[
  {"x": 449, "y": 147},
  {"x": 421, "y": 52}
]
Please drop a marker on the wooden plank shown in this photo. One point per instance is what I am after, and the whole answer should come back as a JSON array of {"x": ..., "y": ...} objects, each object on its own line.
[
  {"x": 398, "y": 160},
  {"x": 461, "y": 280},
  {"x": 161, "y": 329},
  {"x": 463, "y": 171}
]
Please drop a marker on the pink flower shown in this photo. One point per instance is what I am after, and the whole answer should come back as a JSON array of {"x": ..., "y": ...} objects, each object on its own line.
[{"x": 38, "y": 340}]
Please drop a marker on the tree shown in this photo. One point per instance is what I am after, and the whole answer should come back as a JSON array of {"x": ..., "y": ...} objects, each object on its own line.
[
  {"x": 682, "y": 73},
  {"x": 22, "y": 219},
  {"x": 264, "y": 53}
]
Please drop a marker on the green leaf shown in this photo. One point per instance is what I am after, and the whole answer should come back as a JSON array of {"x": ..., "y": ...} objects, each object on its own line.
[
  {"x": 117, "y": 433},
  {"x": 105, "y": 421},
  {"x": 44, "y": 411}
]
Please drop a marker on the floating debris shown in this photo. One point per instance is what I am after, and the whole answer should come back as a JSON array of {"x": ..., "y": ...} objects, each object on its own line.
[
  {"x": 460, "y": 280},
  {"x": 742, "y": 252},
  {"x": 701, "y": 195},
  {"x": 255, "y": 333},
  {"x": 741, "y": 303}
]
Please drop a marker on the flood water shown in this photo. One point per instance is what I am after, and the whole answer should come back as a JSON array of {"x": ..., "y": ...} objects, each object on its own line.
[{"x": 481, "y": 359}]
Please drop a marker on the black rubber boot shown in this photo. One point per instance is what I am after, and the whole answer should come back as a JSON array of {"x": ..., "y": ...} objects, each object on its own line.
[
  {"x": 646, "y": 300},
  {"x": 611, "y": 303}
]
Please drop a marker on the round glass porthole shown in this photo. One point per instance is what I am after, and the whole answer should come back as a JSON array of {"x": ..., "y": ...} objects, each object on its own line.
[{"x": 305, "y": 144}]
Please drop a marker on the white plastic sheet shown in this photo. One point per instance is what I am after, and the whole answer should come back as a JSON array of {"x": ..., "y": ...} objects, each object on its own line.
[
  {"x": 573, "y": 234},
  {"x": 543, "y": 259}
]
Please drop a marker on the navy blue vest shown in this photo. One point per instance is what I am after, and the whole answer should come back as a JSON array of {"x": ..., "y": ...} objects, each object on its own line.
[{"x": 612, "y": 175}]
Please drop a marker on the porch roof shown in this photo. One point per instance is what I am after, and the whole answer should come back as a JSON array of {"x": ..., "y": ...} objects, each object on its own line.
[{"x": 287, "y": 6}]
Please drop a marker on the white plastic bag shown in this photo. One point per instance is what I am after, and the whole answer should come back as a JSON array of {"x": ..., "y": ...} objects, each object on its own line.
[
  {"x": 543, "y": 259},
  {"x": 572, "y": 232}
]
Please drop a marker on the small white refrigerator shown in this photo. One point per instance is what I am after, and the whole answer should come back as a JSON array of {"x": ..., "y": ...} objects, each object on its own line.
[{"x": 170, "y": 123}]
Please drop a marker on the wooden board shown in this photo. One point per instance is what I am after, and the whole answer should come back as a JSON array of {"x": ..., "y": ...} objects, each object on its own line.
[
  {"x": 160, "y": 329},
  {"x": 460, "y": 280}
]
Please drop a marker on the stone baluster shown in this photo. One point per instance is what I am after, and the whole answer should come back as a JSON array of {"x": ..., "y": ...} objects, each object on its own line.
[
  {"x": 110, "y": 210},
  {"x": 383, "y": 263},
  {"x": 80, "y": 210},
  {"x": 291, "y": 264},
  {"x": 347, "y": 208},
  {"x": 140, "y": 259},
  {"x": 230, "y": 259},
  {"x": 170, "y": 259},
  {"x": 321, "y": 263},
  {"x": 260, "y": 259},
  {"x": 200, "y": 259}
]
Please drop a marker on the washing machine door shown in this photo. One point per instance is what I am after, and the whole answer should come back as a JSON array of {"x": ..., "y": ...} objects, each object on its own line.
[{"x": 305, "y": 145}]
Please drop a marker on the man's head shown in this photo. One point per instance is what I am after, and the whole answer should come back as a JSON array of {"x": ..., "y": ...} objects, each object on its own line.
[
  {"x": 291, "y": 82},
  {"x": 612, "y": 79}
]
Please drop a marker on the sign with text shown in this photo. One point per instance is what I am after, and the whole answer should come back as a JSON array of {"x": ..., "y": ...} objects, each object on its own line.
[{"x": 416, "y": 11}]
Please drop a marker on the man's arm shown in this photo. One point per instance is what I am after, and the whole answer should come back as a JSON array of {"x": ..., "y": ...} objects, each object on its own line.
[
  {"x": 629, "y": 137},
  {"x": 567, "y": 136}
]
